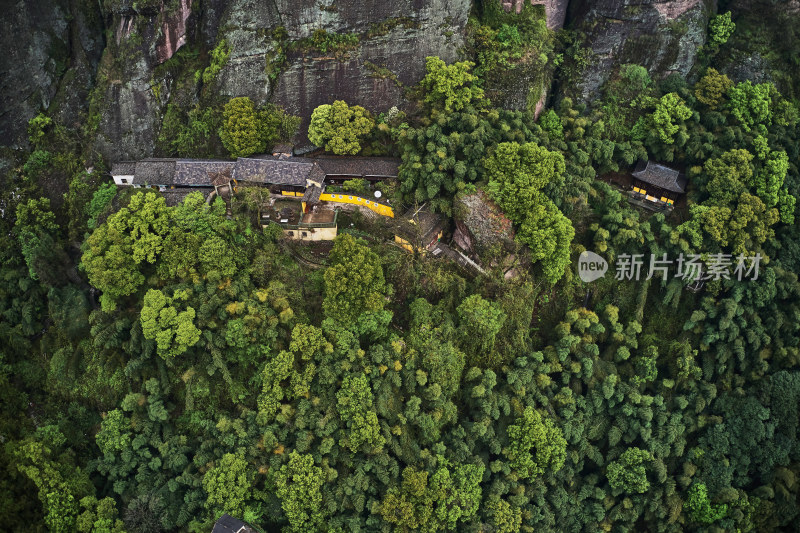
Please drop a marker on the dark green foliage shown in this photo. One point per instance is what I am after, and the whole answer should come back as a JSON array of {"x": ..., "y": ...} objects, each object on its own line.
[{"x": 195, "y": 367}]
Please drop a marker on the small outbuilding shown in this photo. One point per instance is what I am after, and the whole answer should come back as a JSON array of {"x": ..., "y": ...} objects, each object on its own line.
[
  {"x": 419, "y": 229},
  {"x": 657, "y": 183}
]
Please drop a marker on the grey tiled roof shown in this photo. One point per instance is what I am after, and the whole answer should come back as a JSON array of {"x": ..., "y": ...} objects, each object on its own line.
[
  {"x": 123, "y": 168},
  {"x": 317, "y": 174},
  {"x": 312, "y": 194},
  {"x": 154, "y": 172},
  {"x": 228, "y": 524},
  {"x": 198, "y": 172},
  {"x": 420, "y": 224},
  {"x": 358, "y": 166},
  {"x": 666, "y": 178},
  {"x": 277, "y": 172}
]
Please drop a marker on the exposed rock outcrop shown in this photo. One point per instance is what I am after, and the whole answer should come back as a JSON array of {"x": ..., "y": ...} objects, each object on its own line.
[
  {"x": 480, "y": 224},
  {"x": 49, "y": 47},
  {"x": 662, "y": 35}
]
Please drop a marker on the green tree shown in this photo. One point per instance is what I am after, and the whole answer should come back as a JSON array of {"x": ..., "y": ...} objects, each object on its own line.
[
  {"x": 720, "y": 28},
  {"x": 669, "y": 110},
  {"x": 480, "y": 322},
  {"x": 450, "y": 88},
  {"x": 751, "y": 104},
  {"x": 628, "y": 473},
  {"x": 535, "y": 445},
  {"x": 712, "y": 88},
  {"x": 548, "y": 234},
  {"x": 99, "y": 516},
  {"x": 242, "y": 131},
  {"x": 228, "y": 485},
  {"x": 354, "y": 283},
  {"x": 700, "y": 508},
  {"x": 114, "y": 253},
  {"x": 173, "y": 330},
  {"x": 355, "y": 406},
  {"x": 517, "y": 173},
  {"x": 36, "y": 231},
  {"x": 299, "y": 486},
  {"x": 340, "y": 128}
]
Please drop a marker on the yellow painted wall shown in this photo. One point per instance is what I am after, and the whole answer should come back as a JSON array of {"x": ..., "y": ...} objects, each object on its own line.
[{"x": 379, "y": 208}]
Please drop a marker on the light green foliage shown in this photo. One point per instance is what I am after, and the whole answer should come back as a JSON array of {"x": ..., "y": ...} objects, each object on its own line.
[
  {"x": 299, "y": 486},
  {"x": 114, "y": 435},
  {"x": 242, "y": 132},
  {"x": 535, "y": 446},
  {"x": 100, "y": 516},
  {"x": 37, "y": 127},
  {"x": 505, "y": 518},
  {"x": 434, "y": 502},
  {"x": 548, "y": 234},
  {"x": 517, "y": 173},
  {"x": 669, "y": 110},
  {"x": 450, "y": 88},
  {"x": 216, "y": 255},
  {"x": 354, "y": 403},
  {"x": 276, "y": 370},
  {"x": 551, "y": 123},
  {"x": 733, "y": 216},
  {"x": 219, "y": 57},
  {"x": 712, "y": 88},
  {"x": 728, "y": 176},
  {"x": 751, "y": 104},
  {"x": 628, "y": 473},
  {"x": 228, "y": 485},
  {"x": 246, "y": 130},
  {"x": 173, "y": 330},
  {"x": 133, "y": 236},
  {"x": 357, "y": 186},
  {"x": 60, "y": 483},
  {"x": 720, "y": 28},
  {"x": 699, "y": 507},
  {"x": 354, "y": 282},
  {"x": 769, "y": 180},
  {"x": 340, "y": 128}
]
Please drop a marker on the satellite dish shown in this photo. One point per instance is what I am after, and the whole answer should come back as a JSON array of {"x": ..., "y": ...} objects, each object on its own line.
[{"x": 378, "y": 194}]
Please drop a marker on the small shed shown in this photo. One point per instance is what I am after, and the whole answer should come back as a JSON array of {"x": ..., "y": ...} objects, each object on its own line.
[
  {"x": 658, "y": 183},
  {"x": 229, "y": 524},
  {"x": 419, "y": 229},
  {"x": 283, "y": 150}
]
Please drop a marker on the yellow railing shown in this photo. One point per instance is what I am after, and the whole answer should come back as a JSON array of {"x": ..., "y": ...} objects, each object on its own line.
[{"x": 381, "y": 209}]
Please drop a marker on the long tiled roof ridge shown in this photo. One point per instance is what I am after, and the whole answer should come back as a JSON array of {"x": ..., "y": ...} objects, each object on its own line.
[{"x": 259, "y": 169}]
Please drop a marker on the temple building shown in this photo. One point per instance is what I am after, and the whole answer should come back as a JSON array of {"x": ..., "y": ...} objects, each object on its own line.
[
  {"x": 419, "y": 229},
  {"x": 657, "y": 183},
  {"x": 282, "y": 173}
]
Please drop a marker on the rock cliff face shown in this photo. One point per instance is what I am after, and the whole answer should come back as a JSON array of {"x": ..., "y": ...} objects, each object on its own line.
[
  {"x": 50, "y": 51},
  {"x": 662, "y": 35},
  {"x": 53, "y": 54}
]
